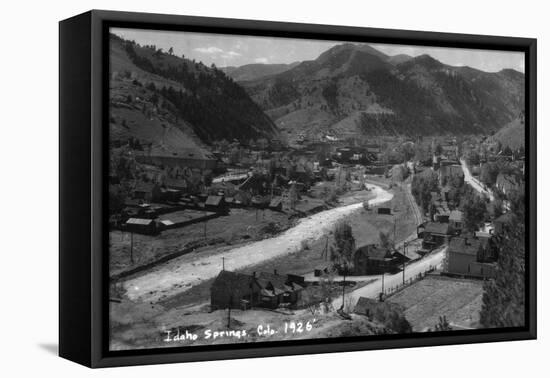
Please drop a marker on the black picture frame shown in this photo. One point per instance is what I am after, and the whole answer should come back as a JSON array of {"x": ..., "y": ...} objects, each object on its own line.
[{"x": 83, "y": 273}]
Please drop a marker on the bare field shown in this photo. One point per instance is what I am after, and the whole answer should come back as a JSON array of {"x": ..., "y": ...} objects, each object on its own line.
[
  {"x": 151, "y": 323},
  {"x": 239, "y": 226},
  {"x": 459, "y": 300}
]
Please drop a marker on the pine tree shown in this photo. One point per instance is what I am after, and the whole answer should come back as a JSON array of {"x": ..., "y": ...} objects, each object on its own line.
[
  {"x": 504, "y": 297},
  {"x": 344, "y": 246}
]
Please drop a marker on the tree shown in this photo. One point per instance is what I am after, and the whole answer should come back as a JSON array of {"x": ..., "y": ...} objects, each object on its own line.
[
  {"x": 475, "y": 211},
  {"x": 344, "y": 246},
  {"x": 171, "y": 51},
  {"x": 422, "y": 186},
  {"x": 472, "y": 158},
  {"x": 507, "y": 151},
  {"x": 385, "y": 240},
  {"x": 438, "y": 150},
  {"x": 443, "y": 324},
  {"x": 407, "y": 151},
  {"x": 503, "y": 303}
]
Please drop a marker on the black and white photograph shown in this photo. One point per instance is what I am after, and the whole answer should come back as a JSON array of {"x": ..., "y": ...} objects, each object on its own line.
[{"x": 278, "y": 189}]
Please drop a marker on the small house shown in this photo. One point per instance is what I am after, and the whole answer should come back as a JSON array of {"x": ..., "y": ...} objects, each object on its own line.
[
  {"x": 456, "y": 223},
  {"x": 450, "y": 172},
  {"x": 215, "y": 203},
  {"x": 465, "y": 256},
  {"x": 276, "y": 204},
  {"x": 434, "y": 234},
  {"x": 170, "y": 195},
  {"x": 375, "y": 259},
  {"x": 147, "y": 191},
  {"x": 279, "y": 289},
  {"x": 234, "y": 290},
  {"x": 384, "y": 210},
  {"x": 176, "y": 184},
  {"x": 270, "y": 290},
  {"x": 141, "y": 226}
]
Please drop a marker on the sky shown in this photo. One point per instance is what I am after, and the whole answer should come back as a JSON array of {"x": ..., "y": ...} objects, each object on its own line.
[{"x": 233, "y": 50}]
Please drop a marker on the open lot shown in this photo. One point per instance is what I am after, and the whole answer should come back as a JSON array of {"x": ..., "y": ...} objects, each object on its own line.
[
  {"x": 239, "y": 226},
  {"x": 148, "y": 328},
  {"x": 459, "y": 300}
]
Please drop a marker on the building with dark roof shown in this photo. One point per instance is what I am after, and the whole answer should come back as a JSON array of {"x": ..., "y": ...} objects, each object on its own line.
[
  {"x": 215, "y": 203},
  {"x": 456, "y": 221},
  {"x": 234, "y": 290},
  {"x": 147, "y": 191},
  {"x": 141, "y": 226},
  {"x": 238, "y": 290},
  {"x": 434, "y": 234},
  {"x": 449, "y": 172},
  {"x": 465, "y": 256},
  {"x": 375, "y": 259},
  {"x": 276, "y": 204},
  {"x": 176, "y": 184}
]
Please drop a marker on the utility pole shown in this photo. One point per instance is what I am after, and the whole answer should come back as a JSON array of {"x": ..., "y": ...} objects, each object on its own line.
[
  {"x": 223, "y": 263},
  {"x": 132, "y": 247},
  {"x": 229, "y": 312},
  {"x": 383, "y": 283},
  {"x": 404, "y": 253},
  {"x": 344, "y": 287},
  {"x": 394, "y": 227}
]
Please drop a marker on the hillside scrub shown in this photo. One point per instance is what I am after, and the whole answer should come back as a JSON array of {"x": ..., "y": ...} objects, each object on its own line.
[
  {"x": 504, "y": 297},
  {"x": 212, "y": 103}
]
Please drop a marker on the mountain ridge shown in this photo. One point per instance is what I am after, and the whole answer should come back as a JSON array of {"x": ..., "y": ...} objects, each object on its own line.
[
  {"x": 363, "y": 92},
  {"x": 255, "y": 71},
  {"x": 155, "y": 92}
]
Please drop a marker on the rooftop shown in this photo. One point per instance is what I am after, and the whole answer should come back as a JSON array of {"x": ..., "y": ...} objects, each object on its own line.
[
  {"x": 456, "y": 215},
  {"x": 139, "y": 221},
  {"x": 436, "y": 228},
  {"x": 465, "y": 245},
  {"x": 374, "y": 251}
]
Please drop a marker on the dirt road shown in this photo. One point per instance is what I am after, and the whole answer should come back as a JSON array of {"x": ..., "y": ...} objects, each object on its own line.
[
  {"x": 178, "y": 275},
  {"x": 473, "y": 182}
]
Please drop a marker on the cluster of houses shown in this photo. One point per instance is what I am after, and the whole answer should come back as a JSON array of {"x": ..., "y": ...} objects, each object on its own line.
[
  {"x": 469, "y": 254},
  {"x": 244, "y": 291},
  {"x": 177, "y": 180}
]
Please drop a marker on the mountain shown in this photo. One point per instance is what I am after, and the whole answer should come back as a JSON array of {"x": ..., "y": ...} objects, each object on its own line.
[
  {"x": 400, "y": 58},
  {"x": 512, "y": 134},
  {"x": 357, "y": 90},
  {"x": 256, "y": 70},
  {"x": 160, "y": 98}
]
